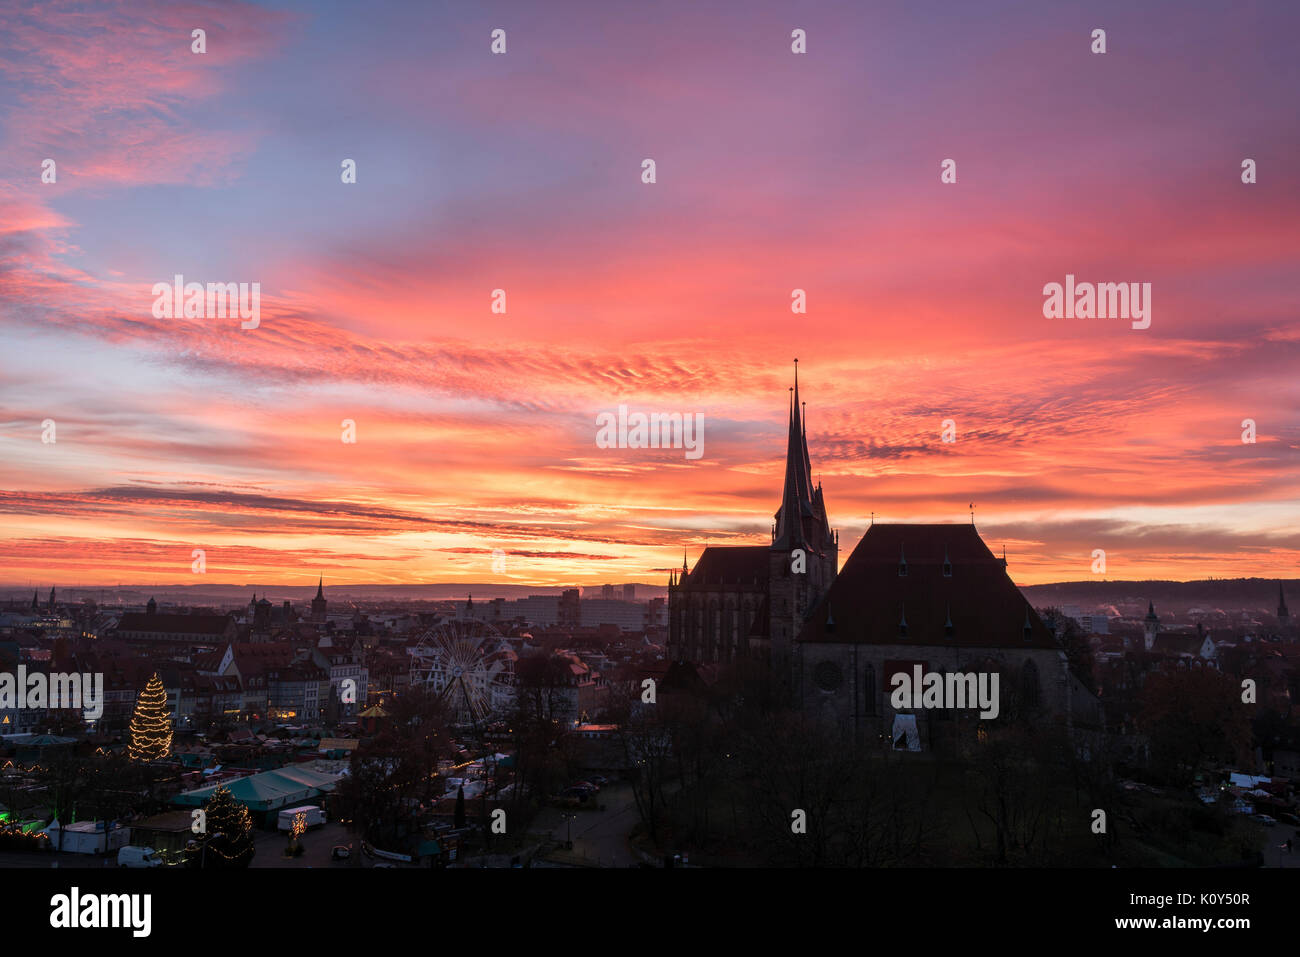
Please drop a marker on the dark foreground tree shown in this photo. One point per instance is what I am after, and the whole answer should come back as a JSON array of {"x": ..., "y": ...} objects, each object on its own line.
[{"x": 229, "y": 835}]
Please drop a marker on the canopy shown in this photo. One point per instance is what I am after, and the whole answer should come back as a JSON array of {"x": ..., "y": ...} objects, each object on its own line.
[{"x": 268, "y": 791}]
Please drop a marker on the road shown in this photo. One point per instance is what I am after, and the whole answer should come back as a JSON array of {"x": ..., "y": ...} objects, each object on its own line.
[{"x": 599, "y": 837}]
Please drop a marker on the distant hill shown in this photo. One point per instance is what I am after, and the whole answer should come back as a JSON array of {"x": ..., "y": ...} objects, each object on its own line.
[
  {"x": 1229, "y": 594},
  {"x": 229, "y": 594}
]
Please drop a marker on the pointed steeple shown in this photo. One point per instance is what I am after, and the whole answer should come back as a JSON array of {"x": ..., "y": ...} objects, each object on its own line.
[
  {"x": 1282, "y": 613},
  {"x": 320, "y": 588},
  {"x": 797, "y": 495}
]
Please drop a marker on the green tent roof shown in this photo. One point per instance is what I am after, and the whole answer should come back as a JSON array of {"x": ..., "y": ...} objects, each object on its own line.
[{"x": 283, "y": 787}]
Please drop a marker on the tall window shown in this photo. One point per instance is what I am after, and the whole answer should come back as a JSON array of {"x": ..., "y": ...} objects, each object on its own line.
[{"x": 1029, "y": 687}]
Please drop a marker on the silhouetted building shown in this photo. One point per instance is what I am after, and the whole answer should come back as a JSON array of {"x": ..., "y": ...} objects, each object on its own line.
[
  {"x": 1150, "y": 626},
  {"x": 909, "y": 595},
  {"x": 318, "y": 603},
  {"x": 750, "y": 601}
]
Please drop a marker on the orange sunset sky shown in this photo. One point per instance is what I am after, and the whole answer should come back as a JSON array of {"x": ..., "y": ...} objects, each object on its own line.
[{"x": 476, "y": 431}]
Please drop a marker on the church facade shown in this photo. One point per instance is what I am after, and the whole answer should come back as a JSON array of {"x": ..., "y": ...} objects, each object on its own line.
[
  {"x": 750, "y": 601},
  {"x": 931, "y": 596}
]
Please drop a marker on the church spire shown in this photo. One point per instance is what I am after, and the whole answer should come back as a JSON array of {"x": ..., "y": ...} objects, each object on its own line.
[
  {"x": 1282, "y": 612},
  {"x": 320, "y": 588},
  {"x": 797, "y": 495}
]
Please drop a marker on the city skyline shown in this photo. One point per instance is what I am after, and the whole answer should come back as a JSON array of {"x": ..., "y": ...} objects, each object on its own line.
[{"x": 476, "y": 431}]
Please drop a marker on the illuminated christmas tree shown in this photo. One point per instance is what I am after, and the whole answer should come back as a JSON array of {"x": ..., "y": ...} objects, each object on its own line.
[
  {"x": 228, "y": 837},
  {"x": 151, "y": 725}
]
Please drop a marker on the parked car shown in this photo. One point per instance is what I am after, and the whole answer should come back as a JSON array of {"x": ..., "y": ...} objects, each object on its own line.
[
  {"x": 599, "y": 780},
  {"x": 340, "y": 852},
  {"x": 1289, "y": 818},
  {"x": 587, "y": 785},
  {"x": 580, "y": 793},
  {"x": 132, "y": 856},
  {"x": 1265, "y": 820}
]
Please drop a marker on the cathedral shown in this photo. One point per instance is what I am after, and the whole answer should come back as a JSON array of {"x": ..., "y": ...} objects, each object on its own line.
[
  {"x": 749, "y": 601},
  {"x": 910, "y": 595}
]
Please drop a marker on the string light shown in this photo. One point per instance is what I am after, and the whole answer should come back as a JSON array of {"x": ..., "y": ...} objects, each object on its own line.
[{"x": 151, "y": 733}]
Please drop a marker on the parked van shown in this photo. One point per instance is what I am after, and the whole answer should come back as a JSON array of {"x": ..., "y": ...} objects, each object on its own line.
[
  {"x": 313, "y": 814},
  {"x": 133, "y": 856}
]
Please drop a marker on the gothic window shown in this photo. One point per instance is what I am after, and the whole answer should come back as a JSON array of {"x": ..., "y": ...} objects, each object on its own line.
[{"x": 1030, "y": 692}]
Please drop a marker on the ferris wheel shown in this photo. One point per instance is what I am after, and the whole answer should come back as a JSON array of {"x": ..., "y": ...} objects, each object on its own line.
[{"x": 469, "y": 666}]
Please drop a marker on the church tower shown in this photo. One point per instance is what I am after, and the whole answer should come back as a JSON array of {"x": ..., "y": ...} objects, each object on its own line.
[
  {"x": 1283, "y": 615},
  {"x": 318, "y": 603},
  {"x": 1150, "y": 626},
  {"x": 748, "y": 602},
  {"x": 804, "y": 555}
]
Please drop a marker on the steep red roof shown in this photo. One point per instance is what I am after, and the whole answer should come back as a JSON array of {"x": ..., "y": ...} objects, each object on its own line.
[
  {"x": 870, "y": 598},
  {"x": 730, "y": 565}
]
